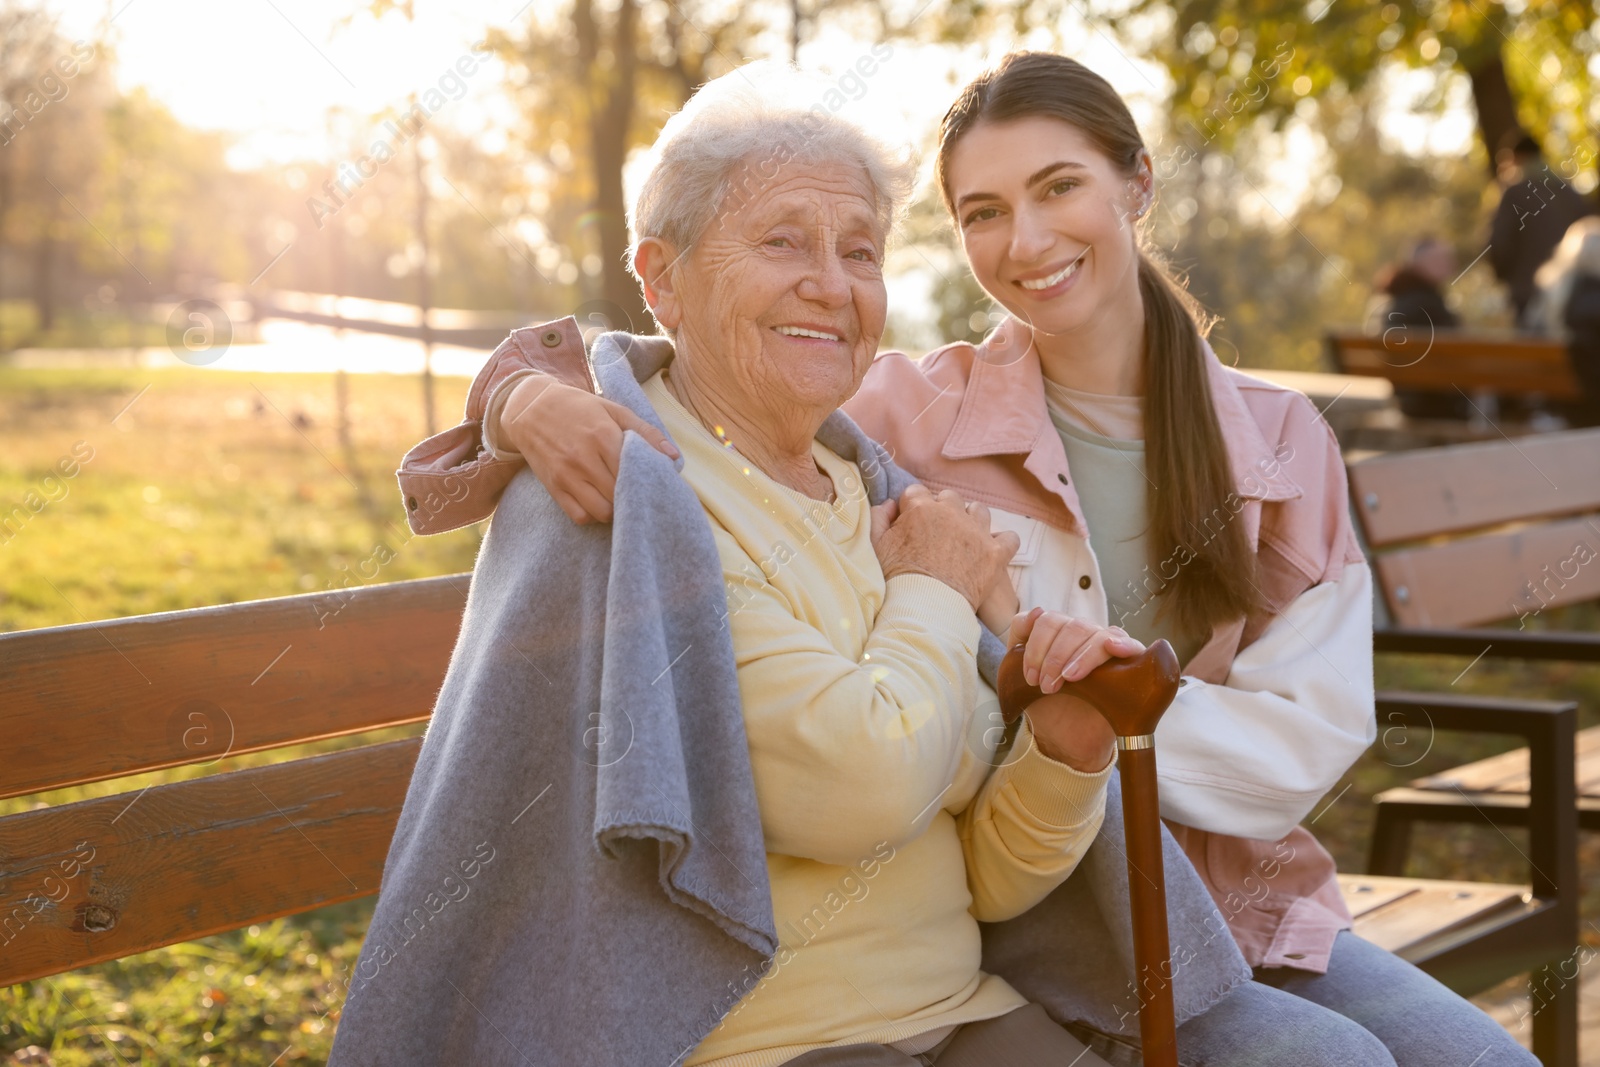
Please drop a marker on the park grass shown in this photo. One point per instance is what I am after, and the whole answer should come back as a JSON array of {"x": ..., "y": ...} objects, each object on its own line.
[
  {"x": 206, "y": 487},
  {"x": 200, "y": 487}
]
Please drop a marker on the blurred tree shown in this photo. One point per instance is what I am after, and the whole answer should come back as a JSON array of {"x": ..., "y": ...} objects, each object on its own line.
[
  {"x": 1278, "y": 279},
  {"x": 1528, "y": 63},
  {"x": 593, "y": 83},
  {"x": 39, "y": 70},
  {"x": 595, "y": 80}
]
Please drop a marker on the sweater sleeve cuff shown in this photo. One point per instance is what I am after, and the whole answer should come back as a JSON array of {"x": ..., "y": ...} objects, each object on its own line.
[
  {"x": 1053, "y": 792},
  {"x": 493, "y": 410},
  {"x": 932, "y": 605}
]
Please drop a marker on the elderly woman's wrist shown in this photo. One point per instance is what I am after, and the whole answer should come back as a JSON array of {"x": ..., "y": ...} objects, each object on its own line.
[
  {"x": 1056, "y": 790},
  {"x": 1081, "y": 754},
  {"x": 904, "y": 570}
]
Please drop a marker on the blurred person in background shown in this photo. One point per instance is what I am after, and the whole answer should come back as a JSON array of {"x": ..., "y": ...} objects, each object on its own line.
[
  {"x": 1536, "y": 207},
  {"x": 1410, "y": 294},
  {"x": 1567, "y": 305}
]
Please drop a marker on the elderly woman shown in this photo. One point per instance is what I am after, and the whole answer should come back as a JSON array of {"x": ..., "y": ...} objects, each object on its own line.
[{"x": 889, "y": 829}]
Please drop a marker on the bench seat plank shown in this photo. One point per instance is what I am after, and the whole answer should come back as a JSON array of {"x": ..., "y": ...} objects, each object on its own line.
[
  {"x": 1362, "y": 895},
  {"x": 102, "y": 700},
  {"x": 1412, "y": 910},
  {"x": 1507, "y": 773},
  {"x": 104, "y": 878}
]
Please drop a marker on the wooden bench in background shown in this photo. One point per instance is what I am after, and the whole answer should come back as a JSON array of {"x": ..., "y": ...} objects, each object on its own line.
[
  {"x": 98, "y": 879},
  {"x": 1443, "y": 361}
]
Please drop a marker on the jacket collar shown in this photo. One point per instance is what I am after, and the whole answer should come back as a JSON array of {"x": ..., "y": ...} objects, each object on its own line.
[{"x": 1003, "y": 413}]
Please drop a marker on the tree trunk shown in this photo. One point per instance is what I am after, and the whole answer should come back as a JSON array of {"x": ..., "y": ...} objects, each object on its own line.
[
  {"x": 610, "y": 116},
  {"x": 5, "y": 207},
  {"x": 44, "y": 269},
  {"x": 424, "y": 291},
  {"x": 1497, "y": 109}
]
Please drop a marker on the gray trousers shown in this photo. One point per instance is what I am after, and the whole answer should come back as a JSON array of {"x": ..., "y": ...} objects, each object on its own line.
[{"x": 1372, "y": 1009}]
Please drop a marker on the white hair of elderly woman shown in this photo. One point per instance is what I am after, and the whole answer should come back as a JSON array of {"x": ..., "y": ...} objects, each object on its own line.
[{"x": 736, "y": 133}]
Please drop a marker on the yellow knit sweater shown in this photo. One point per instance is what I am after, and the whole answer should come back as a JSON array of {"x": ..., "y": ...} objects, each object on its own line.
[{"x": 871, "y": 737}]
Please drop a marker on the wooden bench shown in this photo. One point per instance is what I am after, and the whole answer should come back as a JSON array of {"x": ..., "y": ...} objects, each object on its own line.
[
  {"x": 1442, "y": 361},
  {"x": 1463, "y": 537},
  {"x": 97, "y": 879}
]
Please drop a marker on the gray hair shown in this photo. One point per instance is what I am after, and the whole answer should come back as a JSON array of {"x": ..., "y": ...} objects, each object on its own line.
[{"x": 734, "y": 134}]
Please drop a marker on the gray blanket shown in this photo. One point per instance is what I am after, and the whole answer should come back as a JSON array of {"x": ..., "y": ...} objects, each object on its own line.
[{"x": 578, "y": 875}]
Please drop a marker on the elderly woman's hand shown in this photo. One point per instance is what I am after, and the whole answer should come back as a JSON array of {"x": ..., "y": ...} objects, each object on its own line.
[
  {"x": 943, "y": 537},
  {"x": 572, "y": 440}
]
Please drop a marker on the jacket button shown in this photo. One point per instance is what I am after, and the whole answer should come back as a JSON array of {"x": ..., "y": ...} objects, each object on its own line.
[
  {"x": 1062, "y": 478},
  {"x": 1084, "y": 583},
  {"x": 411, "y": 503},
  {"x": 1294, "y": 955},
  {"x": 551, "y": 338}
]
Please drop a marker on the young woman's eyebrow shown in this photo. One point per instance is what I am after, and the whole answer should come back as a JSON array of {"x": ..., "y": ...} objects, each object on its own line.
[
  {"x": 1033, "y": 179},
  {"x": 1044, "y": 172}
]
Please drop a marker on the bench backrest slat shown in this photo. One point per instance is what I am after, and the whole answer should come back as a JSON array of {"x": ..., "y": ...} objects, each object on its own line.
[
  {"x": 95, "y": 701},
  {"x": 1406, "y": 496},
  {"x": 1480, "y": 533},
  {"x": 1478, "y": 580},
  {"x": 105, "y": 878}
]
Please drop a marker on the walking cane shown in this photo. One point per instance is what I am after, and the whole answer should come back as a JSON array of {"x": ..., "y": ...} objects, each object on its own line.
[{"x": 1132, "y": 694}]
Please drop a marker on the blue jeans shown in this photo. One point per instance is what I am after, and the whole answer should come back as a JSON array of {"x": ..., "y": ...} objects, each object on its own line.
[{"x": 1372, "y": 1009}]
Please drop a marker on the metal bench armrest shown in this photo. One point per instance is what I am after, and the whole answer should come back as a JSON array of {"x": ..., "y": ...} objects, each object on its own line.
[
  {"x": 1561, "y": 645},
  {"x": 1550, "y": 730}
]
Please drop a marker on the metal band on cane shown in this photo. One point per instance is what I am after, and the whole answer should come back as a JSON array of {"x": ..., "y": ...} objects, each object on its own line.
[{"x": 1136, "y": 741}]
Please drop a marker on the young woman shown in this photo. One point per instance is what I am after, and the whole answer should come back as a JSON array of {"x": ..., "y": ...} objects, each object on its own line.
[{"x": 1152, "y": 489}]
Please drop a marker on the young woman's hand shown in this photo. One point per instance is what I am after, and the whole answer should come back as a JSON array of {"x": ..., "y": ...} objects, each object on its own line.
[
  {"x": 1062, "y": 648},
  {"x": 572, "y": 441},
  {"x": 1066, "y": 729}
]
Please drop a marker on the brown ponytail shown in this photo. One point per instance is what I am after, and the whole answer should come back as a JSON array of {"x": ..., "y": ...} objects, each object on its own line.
[{"x": 1191, "y": 500}]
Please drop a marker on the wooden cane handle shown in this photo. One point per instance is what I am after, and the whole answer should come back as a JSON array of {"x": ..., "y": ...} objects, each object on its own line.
[{"x": 1131, "y": 693}]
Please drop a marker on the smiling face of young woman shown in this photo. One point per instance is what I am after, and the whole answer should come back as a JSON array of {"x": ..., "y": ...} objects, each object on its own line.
[{"x": 1046, "y": 220}]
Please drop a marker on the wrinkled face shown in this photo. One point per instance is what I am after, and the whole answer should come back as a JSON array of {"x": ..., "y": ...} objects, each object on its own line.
[
  {"x": 783, "y": 296},
  {"x": 1046, "y": 221}
]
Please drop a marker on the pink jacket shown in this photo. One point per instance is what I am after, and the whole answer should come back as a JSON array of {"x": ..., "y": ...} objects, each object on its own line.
[{"x": 1273, "y": 709}]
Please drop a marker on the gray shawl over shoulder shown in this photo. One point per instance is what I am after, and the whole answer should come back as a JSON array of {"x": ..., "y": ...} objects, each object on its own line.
[{"x": 578, "y": 876}]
